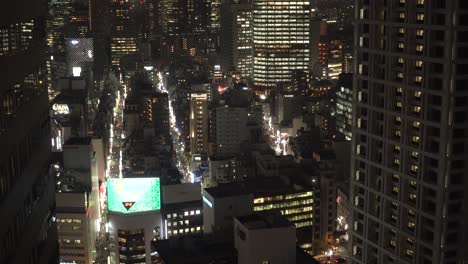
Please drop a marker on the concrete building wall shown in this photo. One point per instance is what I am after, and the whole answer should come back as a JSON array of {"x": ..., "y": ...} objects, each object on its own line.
[
  {"x": 266, "y": 245},
  {"x": 218, "y": 212}
]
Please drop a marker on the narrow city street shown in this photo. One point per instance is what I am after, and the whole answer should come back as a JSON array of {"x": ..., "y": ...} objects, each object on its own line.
[{"x": 178, "y": 144}]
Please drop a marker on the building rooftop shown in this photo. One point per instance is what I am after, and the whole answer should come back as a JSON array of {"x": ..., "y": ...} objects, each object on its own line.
[
  {"x": 78, "y": 141},
  {"x": 196, "y": 250},
  {"x": 227, "y": 190},
  {"x": 264, "y": 221},
  {"x": 180, "y": 193}
]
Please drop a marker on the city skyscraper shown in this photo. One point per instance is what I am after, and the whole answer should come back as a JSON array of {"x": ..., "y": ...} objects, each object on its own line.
[
  {"x": 281, "y": 40},
  {"x": 28, "y": 228},
  {"x": 236, "y": 37},
  {"x": 198, "y": 122},
  {"x": 409, "y": 169},
  {"x": 123, "y": 30},
  {"x": 344, "y": 105}
]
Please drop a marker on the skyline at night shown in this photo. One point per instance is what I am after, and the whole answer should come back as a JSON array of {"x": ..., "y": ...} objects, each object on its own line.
[{"x": 233, "y": 132}]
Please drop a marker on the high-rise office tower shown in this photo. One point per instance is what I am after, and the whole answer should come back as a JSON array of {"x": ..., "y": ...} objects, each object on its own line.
[
  {"x": 170, "y": 16},
  {"x": 28, "y": 229},
  {"x": 344, "y": 105},
  {"x": 198, "y": 122},
  {"x": 409, "y": 169},
  {"x": 123, "y": 30},
  {"x": 280, "y": 39},
  {"x": 215, "y": 15},
  {"x": 236, "y": 37},
  {"x": 56, "y": 22}
]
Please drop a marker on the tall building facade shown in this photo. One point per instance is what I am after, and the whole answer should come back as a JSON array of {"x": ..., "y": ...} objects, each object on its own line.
[
  {"x": 236, "y": 37},
  {"x": 28, "y": 228},
  {"x": 408, "y": 183},
  {"x": 344, "y": 105},
  {"x": 281, "y": 40},
  {"x": 123, "y": 30},
  {"x": 198, "y": 122}
]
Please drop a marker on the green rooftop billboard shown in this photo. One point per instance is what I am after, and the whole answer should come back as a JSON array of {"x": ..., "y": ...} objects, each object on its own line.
[{"x": 133, "y": 195}]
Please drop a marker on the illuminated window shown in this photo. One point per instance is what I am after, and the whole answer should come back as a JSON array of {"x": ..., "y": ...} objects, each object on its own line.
[
  {"x": 416, "y": 109},
  {"x": 412, "y": 196},
  {"x": 401, "y": 15},
  {"x": 420, "y": 32},
  {"x": 414, "y": 168},
  {"x": 419, "y": 48},
  {"x": 401, "y": 60},
  {"x": 415, "y": 139},
  {"x": 418, "y": 79},
  {"x": 395, "y": 189},
  {"x": 419, "y": 64},
  {"x": 398, "y": 133},
  {"x": 401, "y": 30},
  {"x": 420, "y": 2},
  {"x": 420, "y": 17},
  {"x": 401, "y": 45},
  {"x": 414, "y": 154}
]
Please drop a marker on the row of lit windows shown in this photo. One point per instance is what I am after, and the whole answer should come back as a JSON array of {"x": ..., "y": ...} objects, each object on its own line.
[
  {"x": 286, "y": 211},
  {"x": 69, "y": 221},
  {"x": 16, "y": 38},
  {"x": 186, "y": 213},
  {"x": 282, "y": 197},
  {"x": 186, "y": 231}
]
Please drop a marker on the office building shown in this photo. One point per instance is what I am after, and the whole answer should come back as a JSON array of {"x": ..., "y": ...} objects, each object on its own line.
[
  {"x": 198, "y": 122},
  {"x": 160, "y": 114},
  {"x": 134, "y": 219},
  {"x": 281, "y": 40},
  {"x": 27, "y": 189},
  {"x": 231, "y": 130},
  {"x": 56, "y": 22},
  {"x": 182, "y": 210},
  {"x": 123, "y": 31},
  {"x": 408, "y": 183},
  {"x": 236, "y": 37},
  {"x": 78, "y": 205},
  {"x": 221, "y": 204},
  {"x": 253, "y": 236},
  {"x": 344, "y": 100},
  {"x": 296, "y": 198},
  {"x": 299, "y": 204}
]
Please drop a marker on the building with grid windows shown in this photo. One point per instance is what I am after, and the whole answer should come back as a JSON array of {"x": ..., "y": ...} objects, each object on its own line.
[
  {"x": 198, "y": 122},
  {"x": 344, "y": 101},
  {"x": 182, "y": 210},
  {"x": 123, "y": 30},
  {"x": 408, "y": 183},
  {"x": 28, "y": 228},
  {"x": 236, "y": 37},
  {"x": 281, "y": 41}
]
